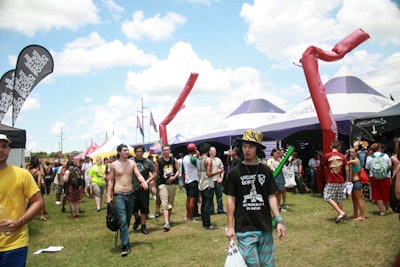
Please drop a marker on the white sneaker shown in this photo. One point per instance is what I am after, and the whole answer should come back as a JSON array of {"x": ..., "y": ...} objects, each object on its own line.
[{"x": 58, "y": 202}]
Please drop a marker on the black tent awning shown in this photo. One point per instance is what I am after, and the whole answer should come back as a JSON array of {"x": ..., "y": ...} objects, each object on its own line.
[{"x": 17, "y": 136}]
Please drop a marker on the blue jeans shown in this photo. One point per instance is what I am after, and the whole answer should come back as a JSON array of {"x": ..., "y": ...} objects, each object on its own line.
[
  {"x": 218, "y": 194},
  {"x": 124, "y": 207},
  {"x": 16, "y": 257},
  {"x": 207, "y": 196}
]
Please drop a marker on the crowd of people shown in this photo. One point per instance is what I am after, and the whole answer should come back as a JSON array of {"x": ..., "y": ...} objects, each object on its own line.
[{"x": 255, "y": 197}]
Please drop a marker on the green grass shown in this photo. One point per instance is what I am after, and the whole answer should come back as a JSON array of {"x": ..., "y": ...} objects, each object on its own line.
[{"x": 313, "y": 238}]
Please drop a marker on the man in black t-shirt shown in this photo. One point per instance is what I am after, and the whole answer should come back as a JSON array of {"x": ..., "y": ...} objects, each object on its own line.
[
  {"x": 147, "y": 170},
  {"x": 251, "y": 199}
]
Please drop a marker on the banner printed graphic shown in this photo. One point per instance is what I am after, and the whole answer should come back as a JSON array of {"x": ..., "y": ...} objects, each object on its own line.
[
  {"x": 34, "y": 63},
  {"x": 6, "y": 92}
]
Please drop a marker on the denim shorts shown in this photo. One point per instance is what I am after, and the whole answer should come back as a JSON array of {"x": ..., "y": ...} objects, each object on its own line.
[
  {"x": 357, "y": 185},
  {"x": 280, "y": 181}
]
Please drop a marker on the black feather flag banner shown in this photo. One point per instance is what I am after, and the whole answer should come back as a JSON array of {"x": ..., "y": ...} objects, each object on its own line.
[
  {"x": 6, "y": 92},
  {"x": 34, "y": 63}
]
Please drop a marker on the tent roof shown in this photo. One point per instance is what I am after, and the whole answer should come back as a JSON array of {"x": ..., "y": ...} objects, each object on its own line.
[
  {"x": 109, "y": 147},
  {"x": 349, "y": 98},
  {"x": 178, "y": 138},
  {"x": 249, "y": 115},
  {"x": 256, "y": 106},
  {"x": 93, "y": 146},
  {"x": 392, "y": 111},
  {"x": 349, "y": 85},
  {"x": 17, "y": 136}
]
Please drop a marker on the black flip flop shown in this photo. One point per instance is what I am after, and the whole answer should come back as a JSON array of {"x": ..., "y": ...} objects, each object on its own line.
[{"x": 340, "y": 218}]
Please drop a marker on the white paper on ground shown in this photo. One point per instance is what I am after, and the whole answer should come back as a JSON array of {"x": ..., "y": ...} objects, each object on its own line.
[{"x": 49, "y": 249}]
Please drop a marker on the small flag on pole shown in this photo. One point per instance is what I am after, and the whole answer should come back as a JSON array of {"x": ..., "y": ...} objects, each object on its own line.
[
  {"x": 152, "y": 122},
  {"x": 139, "y": 126}
]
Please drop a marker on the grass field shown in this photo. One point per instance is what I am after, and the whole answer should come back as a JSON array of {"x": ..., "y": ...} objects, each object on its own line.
[{"x": 313, "y": 238}]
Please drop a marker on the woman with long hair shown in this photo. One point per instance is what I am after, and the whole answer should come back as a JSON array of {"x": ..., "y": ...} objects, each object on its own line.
[
  {"x": 35, "y": 170},
  {"x": 72, "y": 194},
  {"x": 273, "y": 163},
  {"x": 356, "y": 195}
]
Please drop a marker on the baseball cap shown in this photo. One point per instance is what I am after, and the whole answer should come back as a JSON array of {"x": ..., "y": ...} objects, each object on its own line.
[
  {"x": 191, "y": 146},
  {"x": 4, "y": 137}
]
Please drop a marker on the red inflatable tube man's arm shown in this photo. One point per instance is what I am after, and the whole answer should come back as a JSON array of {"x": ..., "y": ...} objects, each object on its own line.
[
  {"x": 178, "y": 105},
  {"x": 317, "y": 89}
]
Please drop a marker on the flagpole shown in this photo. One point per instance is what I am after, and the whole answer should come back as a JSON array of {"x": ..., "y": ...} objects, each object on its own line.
[{"x": 149, "y": 128}]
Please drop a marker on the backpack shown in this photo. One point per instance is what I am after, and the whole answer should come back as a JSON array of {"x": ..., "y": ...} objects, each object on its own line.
[
  {"x": 112, "y": 220},
  {"x": 363, "y": 176},
  {"x": 75, "y": 179},
  {"x": 111, "y": 217},
  {"x": 379, "y": 166}
]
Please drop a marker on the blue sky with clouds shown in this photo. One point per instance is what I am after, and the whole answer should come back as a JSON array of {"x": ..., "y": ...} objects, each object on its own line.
[{"x": 108, "y": 55}]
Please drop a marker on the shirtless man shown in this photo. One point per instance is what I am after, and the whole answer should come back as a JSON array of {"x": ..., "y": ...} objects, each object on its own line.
[{"x": 120, "y": 185}]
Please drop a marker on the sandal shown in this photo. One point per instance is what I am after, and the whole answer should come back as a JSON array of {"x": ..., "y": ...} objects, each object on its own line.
[
  {"x": 340, "y": 218},
  {"x": 359, "y": 219}
]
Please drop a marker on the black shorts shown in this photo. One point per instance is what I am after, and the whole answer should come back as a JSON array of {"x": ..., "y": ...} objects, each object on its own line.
[
  {"x": 192, "y": 189},
  {"x": 141, "y": 201}
]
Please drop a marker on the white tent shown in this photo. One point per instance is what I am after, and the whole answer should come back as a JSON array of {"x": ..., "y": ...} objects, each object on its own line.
[
  {"x": 349, "y": 98},
  {"x": 249, "y": 115},
  {"x": 109, "y": 147},
  {"x": 93, "y": 146}
]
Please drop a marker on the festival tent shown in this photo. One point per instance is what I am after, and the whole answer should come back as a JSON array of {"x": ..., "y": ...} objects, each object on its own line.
[
  {"x": 377, "y": 124},
  {"x": 349, "y": 98},
  {"x": 177, "y": 139},
  {"x": 93, "y": 146},
  {"x": 249, "y": 115},
  {"x": 109, "y": 148},
  {"x": 155, "y": 148},
  {"x": 18, "y": 141}
]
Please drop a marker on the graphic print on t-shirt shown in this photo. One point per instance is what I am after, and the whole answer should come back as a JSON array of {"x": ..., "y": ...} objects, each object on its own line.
[
  {"x": 253, "y": 200},
  {"x": 168, "y": 171},
  {"x": 335, "y": 164}
]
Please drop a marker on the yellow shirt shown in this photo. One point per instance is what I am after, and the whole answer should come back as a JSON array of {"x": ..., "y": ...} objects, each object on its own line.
[
  {"x": 16, "y": 186},
  {"x": 97, "y": 174}
]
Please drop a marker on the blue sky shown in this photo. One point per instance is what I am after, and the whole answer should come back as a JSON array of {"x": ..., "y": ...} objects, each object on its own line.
[{"x": 108, "y": 55}]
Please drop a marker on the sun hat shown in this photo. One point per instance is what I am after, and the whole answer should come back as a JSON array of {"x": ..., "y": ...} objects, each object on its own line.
[{"x": 252, "y": 136}]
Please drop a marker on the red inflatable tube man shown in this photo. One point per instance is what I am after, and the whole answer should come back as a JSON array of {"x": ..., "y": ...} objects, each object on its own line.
[
  {"x": 177, "y": 106},
  {"x": 317, "y": 89}
]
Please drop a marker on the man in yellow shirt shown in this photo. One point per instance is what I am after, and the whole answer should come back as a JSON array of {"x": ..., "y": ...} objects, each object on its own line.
[{"x": 16, "y": 187}]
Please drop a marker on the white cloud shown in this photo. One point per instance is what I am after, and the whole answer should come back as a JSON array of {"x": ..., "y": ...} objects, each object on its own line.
[
  {"x": 113, "y": 7},
  {"x": 171, "y": 74},
  {"x": 380, "y": 18},
  {"x": 155, "y": 28},
  {"x": 29, "y": 17},
  {"x": 31, "y": 103},
  {"x": 92, "y": 53},
  {"x": 282, "y": 30}
]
